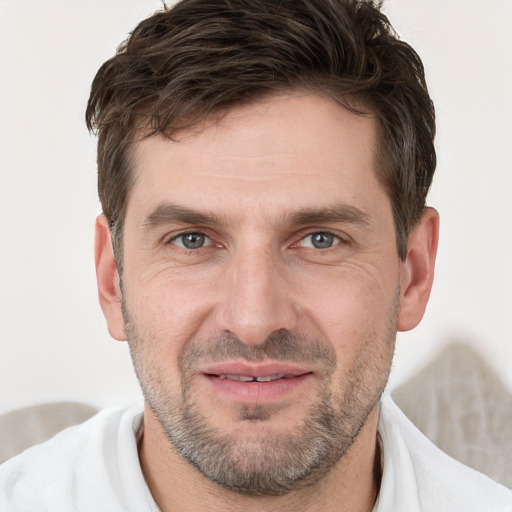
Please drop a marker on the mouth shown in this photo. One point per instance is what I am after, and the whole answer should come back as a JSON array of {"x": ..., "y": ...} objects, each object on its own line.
[
  {"x": 248, "y": 378},
  {"x": 242, "y": 382}
]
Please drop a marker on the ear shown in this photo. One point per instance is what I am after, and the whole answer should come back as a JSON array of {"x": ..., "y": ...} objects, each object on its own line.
[
  {"x": 107, "y": 277},
  {"x": 417, "y": 272}
]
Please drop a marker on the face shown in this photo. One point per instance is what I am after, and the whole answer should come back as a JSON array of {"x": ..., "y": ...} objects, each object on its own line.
[{"x": 261, "y": 290}]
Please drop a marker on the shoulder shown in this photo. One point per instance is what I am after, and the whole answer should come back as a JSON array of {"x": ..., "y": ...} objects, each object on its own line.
[
  {"x": 52, "y": 475},
  {"x": 430, "y": 479}
]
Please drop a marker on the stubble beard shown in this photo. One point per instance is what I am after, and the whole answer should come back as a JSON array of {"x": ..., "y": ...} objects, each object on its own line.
[{"x": 268, "y": 463}]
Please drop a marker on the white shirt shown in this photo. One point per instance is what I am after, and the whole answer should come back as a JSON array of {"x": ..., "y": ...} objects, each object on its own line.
[{"x": 94, "y": 467}]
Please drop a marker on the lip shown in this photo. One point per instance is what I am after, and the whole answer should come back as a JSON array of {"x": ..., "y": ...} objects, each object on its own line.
[
  {"x": 294, "y": 377},
  {"x": 255, "y": 370}
]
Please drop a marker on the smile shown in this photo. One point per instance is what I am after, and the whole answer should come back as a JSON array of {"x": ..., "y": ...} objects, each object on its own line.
[
  {"x": 243, "y": 382},
  {"x": 247, "y": 378}
]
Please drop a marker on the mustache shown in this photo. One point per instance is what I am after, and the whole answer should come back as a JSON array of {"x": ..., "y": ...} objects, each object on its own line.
[{"x": 280, "y": 345}]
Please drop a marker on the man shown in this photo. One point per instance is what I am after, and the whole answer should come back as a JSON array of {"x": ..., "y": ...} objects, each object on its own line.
[{"x": 263, "y": 170}]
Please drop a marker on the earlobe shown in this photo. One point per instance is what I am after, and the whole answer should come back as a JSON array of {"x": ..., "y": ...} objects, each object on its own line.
[
  {"x": 107, "y": 277},
  {"x": 417, "y": 271}
]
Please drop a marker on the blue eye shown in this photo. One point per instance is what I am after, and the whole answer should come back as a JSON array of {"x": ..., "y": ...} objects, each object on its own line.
[
  {"x": 192, "y": 241},
  {"x": 319, "y": 240}
]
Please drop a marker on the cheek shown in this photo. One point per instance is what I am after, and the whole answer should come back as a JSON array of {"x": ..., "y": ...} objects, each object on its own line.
[
  {"x": 169, "y": 306},
  {"x": 350, "y": 303},
  {"x": 161, "y": 323}
]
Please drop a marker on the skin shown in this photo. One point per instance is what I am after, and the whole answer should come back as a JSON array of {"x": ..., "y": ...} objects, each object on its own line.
[{"x": 260, "y": 274}]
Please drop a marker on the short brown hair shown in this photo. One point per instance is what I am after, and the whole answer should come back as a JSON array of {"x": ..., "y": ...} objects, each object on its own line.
[{"x": 201, "y": 58}]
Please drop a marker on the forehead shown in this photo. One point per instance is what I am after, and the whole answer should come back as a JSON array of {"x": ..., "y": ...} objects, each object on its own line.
[{"x": 279, "y": 152}]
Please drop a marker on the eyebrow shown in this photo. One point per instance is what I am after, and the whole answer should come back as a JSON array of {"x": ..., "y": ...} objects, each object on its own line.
[
  {"x": 171, "y": 213},
  {"x": 339, "y": 213}
]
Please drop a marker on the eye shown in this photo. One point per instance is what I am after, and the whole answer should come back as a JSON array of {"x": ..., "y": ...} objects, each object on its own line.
[
  {"x": 192, "y": 241},
  {"x": 319, "y": 240}
]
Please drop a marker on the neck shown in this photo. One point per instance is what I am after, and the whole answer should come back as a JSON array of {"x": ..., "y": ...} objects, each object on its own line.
[{"x": 350, "y": 486}]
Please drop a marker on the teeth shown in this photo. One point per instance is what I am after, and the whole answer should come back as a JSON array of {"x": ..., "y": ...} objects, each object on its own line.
[
  {"x": 246, "y": 378},
  {"x": 270, "y": 377},
  {"x": 242, "y": 378}
]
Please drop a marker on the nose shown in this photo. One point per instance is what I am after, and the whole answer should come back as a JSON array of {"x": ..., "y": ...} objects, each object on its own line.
[{"x": 256, "y": 298}]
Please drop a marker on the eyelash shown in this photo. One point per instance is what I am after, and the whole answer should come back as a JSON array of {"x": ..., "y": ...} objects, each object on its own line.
[
  {"x": 186, "y": 233},
  {"x": 338, "y": 240}
]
